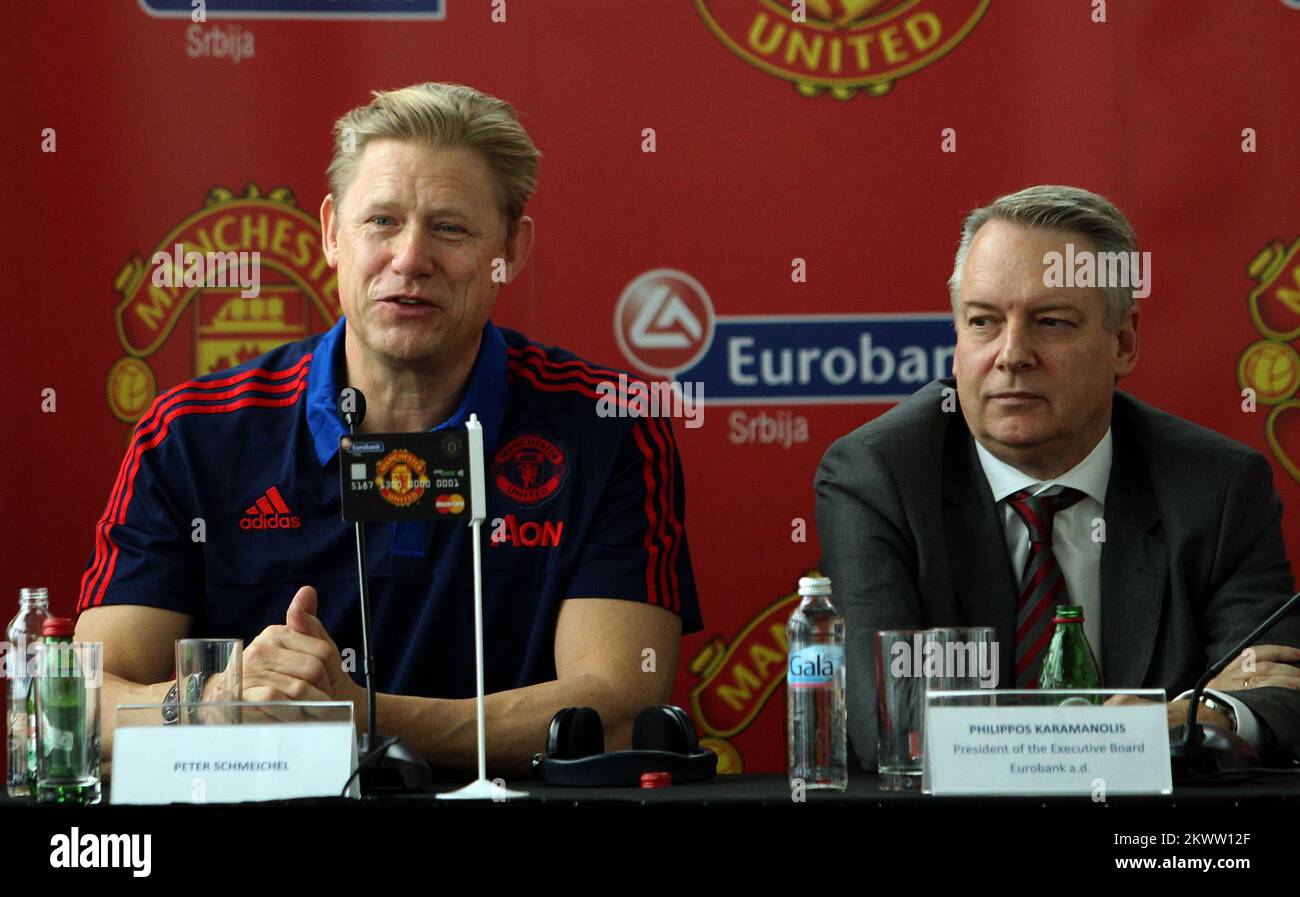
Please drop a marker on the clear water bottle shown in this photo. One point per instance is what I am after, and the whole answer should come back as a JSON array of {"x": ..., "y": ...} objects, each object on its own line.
[
  {"x": 815, "y": 710},
  {"x": 24, "y": 631}
]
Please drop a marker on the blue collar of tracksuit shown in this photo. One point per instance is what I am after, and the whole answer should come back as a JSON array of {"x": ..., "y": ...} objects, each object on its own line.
[{"x": 485, "y": 394}]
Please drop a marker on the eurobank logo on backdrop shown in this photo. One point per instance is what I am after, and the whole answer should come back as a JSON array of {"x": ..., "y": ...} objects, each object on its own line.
[
  {"x": 665, "y": 325},
  {"x": 302, "y": 9},
  {"x": 841, "y": 46}
]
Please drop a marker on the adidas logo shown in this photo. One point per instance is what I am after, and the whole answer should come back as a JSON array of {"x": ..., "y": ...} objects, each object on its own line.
[{"x": 269, "y": 512}]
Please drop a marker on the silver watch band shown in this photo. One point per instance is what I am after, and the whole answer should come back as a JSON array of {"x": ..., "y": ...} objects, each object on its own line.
[
  {"x": 171, "y": 703},
  {"x": 170, "y": 710}
]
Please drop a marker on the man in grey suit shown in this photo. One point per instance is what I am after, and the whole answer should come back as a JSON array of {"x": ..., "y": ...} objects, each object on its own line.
[{"x": 1167, "y": 534}]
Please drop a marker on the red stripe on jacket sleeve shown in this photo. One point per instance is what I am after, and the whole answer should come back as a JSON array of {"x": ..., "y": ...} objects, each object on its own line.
[{"x": 94, "y": 584}]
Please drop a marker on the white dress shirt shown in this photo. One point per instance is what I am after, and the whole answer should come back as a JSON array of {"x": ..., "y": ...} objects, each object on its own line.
[{"x": 1078, "y": 535}]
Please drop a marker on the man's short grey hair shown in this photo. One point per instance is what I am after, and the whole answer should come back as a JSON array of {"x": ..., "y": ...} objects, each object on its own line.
[{"x": 1054, "y": 207}]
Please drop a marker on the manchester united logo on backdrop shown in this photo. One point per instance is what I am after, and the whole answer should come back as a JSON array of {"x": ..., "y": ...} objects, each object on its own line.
[
  {"x": 841, "y": 45},
  {"x": 1271, "y": 366},
  {"x": 224, "y": 322},
  {"x": 529, "y": 469}
]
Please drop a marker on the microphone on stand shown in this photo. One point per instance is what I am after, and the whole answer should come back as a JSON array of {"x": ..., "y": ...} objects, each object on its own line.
[
  {"x": 1207, "y": 753},
  {"x": 384, "y": 764}
]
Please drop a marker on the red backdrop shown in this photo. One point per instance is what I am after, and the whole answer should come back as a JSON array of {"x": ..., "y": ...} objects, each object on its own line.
[{"x": 774, "y": 141}]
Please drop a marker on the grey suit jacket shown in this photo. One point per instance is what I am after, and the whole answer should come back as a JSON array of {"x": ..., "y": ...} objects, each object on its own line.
[{"x": 1193, "y": 558}]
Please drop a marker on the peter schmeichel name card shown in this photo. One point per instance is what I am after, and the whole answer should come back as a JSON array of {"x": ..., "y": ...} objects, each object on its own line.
[
  {"x": 229, "y": 763},
  {"x": 1073, "y": 749}
]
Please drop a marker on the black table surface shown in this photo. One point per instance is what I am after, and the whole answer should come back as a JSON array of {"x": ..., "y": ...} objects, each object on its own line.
[{"x": 733, "y": 828}]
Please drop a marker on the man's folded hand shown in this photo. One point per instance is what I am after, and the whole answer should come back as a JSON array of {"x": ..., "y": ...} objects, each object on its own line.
[
  {"x": 1260, "y": 666},
  {"x": 291, "y": 662}
]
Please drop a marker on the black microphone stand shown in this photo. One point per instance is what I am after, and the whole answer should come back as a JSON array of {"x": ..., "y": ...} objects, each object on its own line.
[
  {"x": 1207, "y": 753},
  {"x": 385, "y": 765}
]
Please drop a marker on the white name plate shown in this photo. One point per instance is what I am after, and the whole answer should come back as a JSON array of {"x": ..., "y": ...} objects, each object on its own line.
[
  {"x": 1081, "y": 750},
  {"x": 221, "y": 763}
]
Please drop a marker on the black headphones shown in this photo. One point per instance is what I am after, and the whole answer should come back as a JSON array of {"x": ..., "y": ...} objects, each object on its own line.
[{"x": 663, "y": 740}]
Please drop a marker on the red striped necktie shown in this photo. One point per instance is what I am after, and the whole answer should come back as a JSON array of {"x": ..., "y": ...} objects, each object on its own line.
[{"x": 1042, "y": 584}]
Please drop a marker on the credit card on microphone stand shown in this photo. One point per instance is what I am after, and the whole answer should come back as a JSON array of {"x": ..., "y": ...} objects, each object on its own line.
[{"x": 404, "y": 476}]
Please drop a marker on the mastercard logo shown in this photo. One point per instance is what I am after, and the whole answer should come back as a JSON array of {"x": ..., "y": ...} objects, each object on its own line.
[{"x": 450, "y": 504}]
